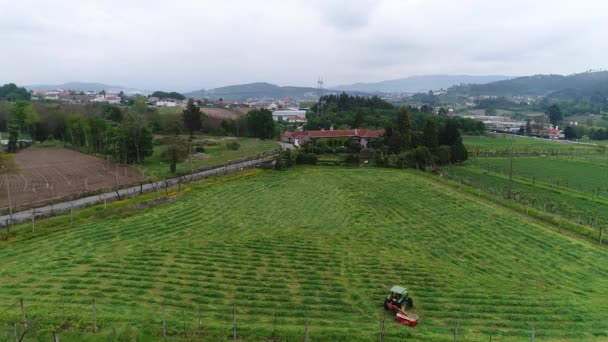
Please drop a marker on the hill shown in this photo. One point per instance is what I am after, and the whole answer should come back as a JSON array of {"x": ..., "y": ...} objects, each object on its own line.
[
  {"x": 85, "y": 86},
  {"x": 318, "y": 245},
  {"x": 420, "y": 84},
  {"x": 557, "y": 86},
  {"x": 262, "y": 90},
  {"x": 258, "y": 90}
]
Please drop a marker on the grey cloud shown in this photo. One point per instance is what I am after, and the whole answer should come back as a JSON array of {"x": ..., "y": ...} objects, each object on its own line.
[
  {"x": 348, "y": 15},
  {"x": 203, "y": 44}
]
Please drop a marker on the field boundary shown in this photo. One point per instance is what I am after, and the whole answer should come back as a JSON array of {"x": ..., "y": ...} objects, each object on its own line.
[
  {"x": 556, "y": 222},
  {"x": 141, "y": 188}
]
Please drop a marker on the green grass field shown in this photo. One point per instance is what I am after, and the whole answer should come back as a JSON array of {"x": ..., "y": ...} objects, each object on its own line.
[
  {"x": 170, "y": 110},
  {"x": 215, "y": 154},
  {"x": 585, "y": 177},
  {"x": 494, "y": 143},
  {"x": 327, "y": 241},
  {"x": 542, "y": 194}
]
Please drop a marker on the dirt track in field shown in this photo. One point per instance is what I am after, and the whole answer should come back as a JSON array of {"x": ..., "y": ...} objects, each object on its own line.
[{"x": 47, "y": 174}]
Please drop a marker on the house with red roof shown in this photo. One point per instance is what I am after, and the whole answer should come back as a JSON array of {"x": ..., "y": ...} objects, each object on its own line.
[{"x": 362, "y": 135}]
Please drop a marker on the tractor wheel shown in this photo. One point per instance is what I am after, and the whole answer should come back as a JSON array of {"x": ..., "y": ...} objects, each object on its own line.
[
  {"x": 385, "y": 305},
  {"x": 409, "y": 303}
]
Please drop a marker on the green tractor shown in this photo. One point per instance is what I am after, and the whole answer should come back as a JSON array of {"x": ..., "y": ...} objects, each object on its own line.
[{"x": 398, "y": 299}]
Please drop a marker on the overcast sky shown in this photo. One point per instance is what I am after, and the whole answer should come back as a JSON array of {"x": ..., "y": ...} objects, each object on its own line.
[{"x": 187, "y": 45}]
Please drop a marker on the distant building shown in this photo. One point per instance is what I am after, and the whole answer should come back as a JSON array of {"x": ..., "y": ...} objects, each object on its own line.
[
  {"x": 363, "y": 136},
  {"x": 166, "y": 103},
  {"x": 108, "y": 98},
  {"x": 287, "y": 115}
]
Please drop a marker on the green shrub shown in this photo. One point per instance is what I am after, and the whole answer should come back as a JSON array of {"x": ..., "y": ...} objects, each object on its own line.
[
  {"x": 306, "y": 158},
  {"x": 352, "y": 159},
  {"x": 233, "y": 145},
  {"x": 199, "y": 149}
]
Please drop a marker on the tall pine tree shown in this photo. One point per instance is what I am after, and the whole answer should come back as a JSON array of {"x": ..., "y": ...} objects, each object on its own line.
[{"x": 192, "y": 118}]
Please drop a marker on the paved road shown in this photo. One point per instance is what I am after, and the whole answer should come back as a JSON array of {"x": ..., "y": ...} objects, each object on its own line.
[{"x": 63, "y": 207}]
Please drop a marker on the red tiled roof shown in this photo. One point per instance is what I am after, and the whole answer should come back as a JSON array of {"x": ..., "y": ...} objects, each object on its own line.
[
  {"x": 346, "y": 133},
  {"x": 296, "y": 135},
  {"x": 350, "y": 133}
]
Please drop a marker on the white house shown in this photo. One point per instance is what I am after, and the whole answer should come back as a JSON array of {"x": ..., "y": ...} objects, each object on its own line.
[
  {"x": 166, "y": 103},
  {"x": 108, "y": 98},
  {"x": 288, "y": 115}
]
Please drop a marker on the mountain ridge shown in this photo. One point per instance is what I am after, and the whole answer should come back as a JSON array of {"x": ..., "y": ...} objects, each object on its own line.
[{"x": 420, "y": 83}]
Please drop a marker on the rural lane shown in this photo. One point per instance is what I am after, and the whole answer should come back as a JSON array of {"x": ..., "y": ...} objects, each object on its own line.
[{"x": 63, "y": 207}]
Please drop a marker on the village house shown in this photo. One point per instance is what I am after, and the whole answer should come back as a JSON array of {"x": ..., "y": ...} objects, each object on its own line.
[
  {"x": 361, "y": 135},
  {"x": 107, "y": 98},
  {"x": 166, "y": 103}
]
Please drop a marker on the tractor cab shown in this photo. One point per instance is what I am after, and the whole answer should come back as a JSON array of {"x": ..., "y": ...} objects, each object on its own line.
[{"x": 398, "y": 297}]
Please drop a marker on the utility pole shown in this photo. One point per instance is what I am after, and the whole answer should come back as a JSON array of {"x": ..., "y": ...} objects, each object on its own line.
[
  {"x": 510, "y": 194},
  {"x": 191, "y": 173},
  {"x": 10, "y": 206}
]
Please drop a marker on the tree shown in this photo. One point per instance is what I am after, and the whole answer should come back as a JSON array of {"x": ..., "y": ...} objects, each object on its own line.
[
  {"x": 11, "y": 92},
  {"x": 422, "y": 156},
  {"x": 528, "y": 127},
  {"x": 19, "y": 112},
  {"x": 450, "y": 135},
  {"x": 404, "y": 126},
  {"x": 168, "y": 95},
  {"x": 359, "y": 119},
  {"x": 427, "y": 109},
  {"x": 112, "y": 112},
  {"x": 175, "y": 150},
  {"x": 131, "y": 141},
  {"x": 443, "y": 111},
  {"x": 13, "y": 138},
  {"x": 192, "y": 118},
  {"x": 260, "y": 123},
  {"x": 554, "y": 114},
  {"x": 140, "y": 104},
  {"x": 31, "y": 122},
  {"x": 430, "y": 136},
  {"x": 459, "y": 153},
  {"x": 570, "y": 133}
]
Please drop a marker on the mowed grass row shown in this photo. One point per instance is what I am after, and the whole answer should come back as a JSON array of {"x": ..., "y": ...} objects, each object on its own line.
[{"x": 327, "y": 242}]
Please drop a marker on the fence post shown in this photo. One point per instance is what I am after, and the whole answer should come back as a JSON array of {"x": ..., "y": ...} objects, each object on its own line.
[
  {"x": 382, "y": 328},
  {"x": 23, "y": 313},
  {"x": 274, "y": 329},
  {"x": 234, "y": 322},
  {"x": 94, "y": 316},
  {"x": 33, "y": 221},
  {"x": 456, "y": 331},
  {"x": 55, "y": 337},
  {"x": 306, "y": 328},
  {"x": 532, "y": 334},
  {"x": 15, "y": 331},
  {"x": 164, "y": 323}
]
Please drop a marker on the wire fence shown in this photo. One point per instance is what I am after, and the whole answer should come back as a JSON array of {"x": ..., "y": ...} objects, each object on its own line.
[
  {"x": 26, "y": 214},
  {"x": 588, "y": 223},
  {"x": 24, "y": 320}
]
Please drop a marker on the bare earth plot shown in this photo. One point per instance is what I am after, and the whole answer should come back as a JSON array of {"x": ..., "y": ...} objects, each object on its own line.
[{"x": 54, "y": 173}]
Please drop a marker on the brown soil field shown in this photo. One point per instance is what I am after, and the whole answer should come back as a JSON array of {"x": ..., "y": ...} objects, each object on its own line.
[
  {"x": 223, "y": 113},
  {"x": 53, "y": 174}
]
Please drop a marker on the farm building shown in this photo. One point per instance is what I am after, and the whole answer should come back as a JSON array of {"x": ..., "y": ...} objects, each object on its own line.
[
  {"x": 363, "y": 136},
  {"x": 288, "y": 115}
]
